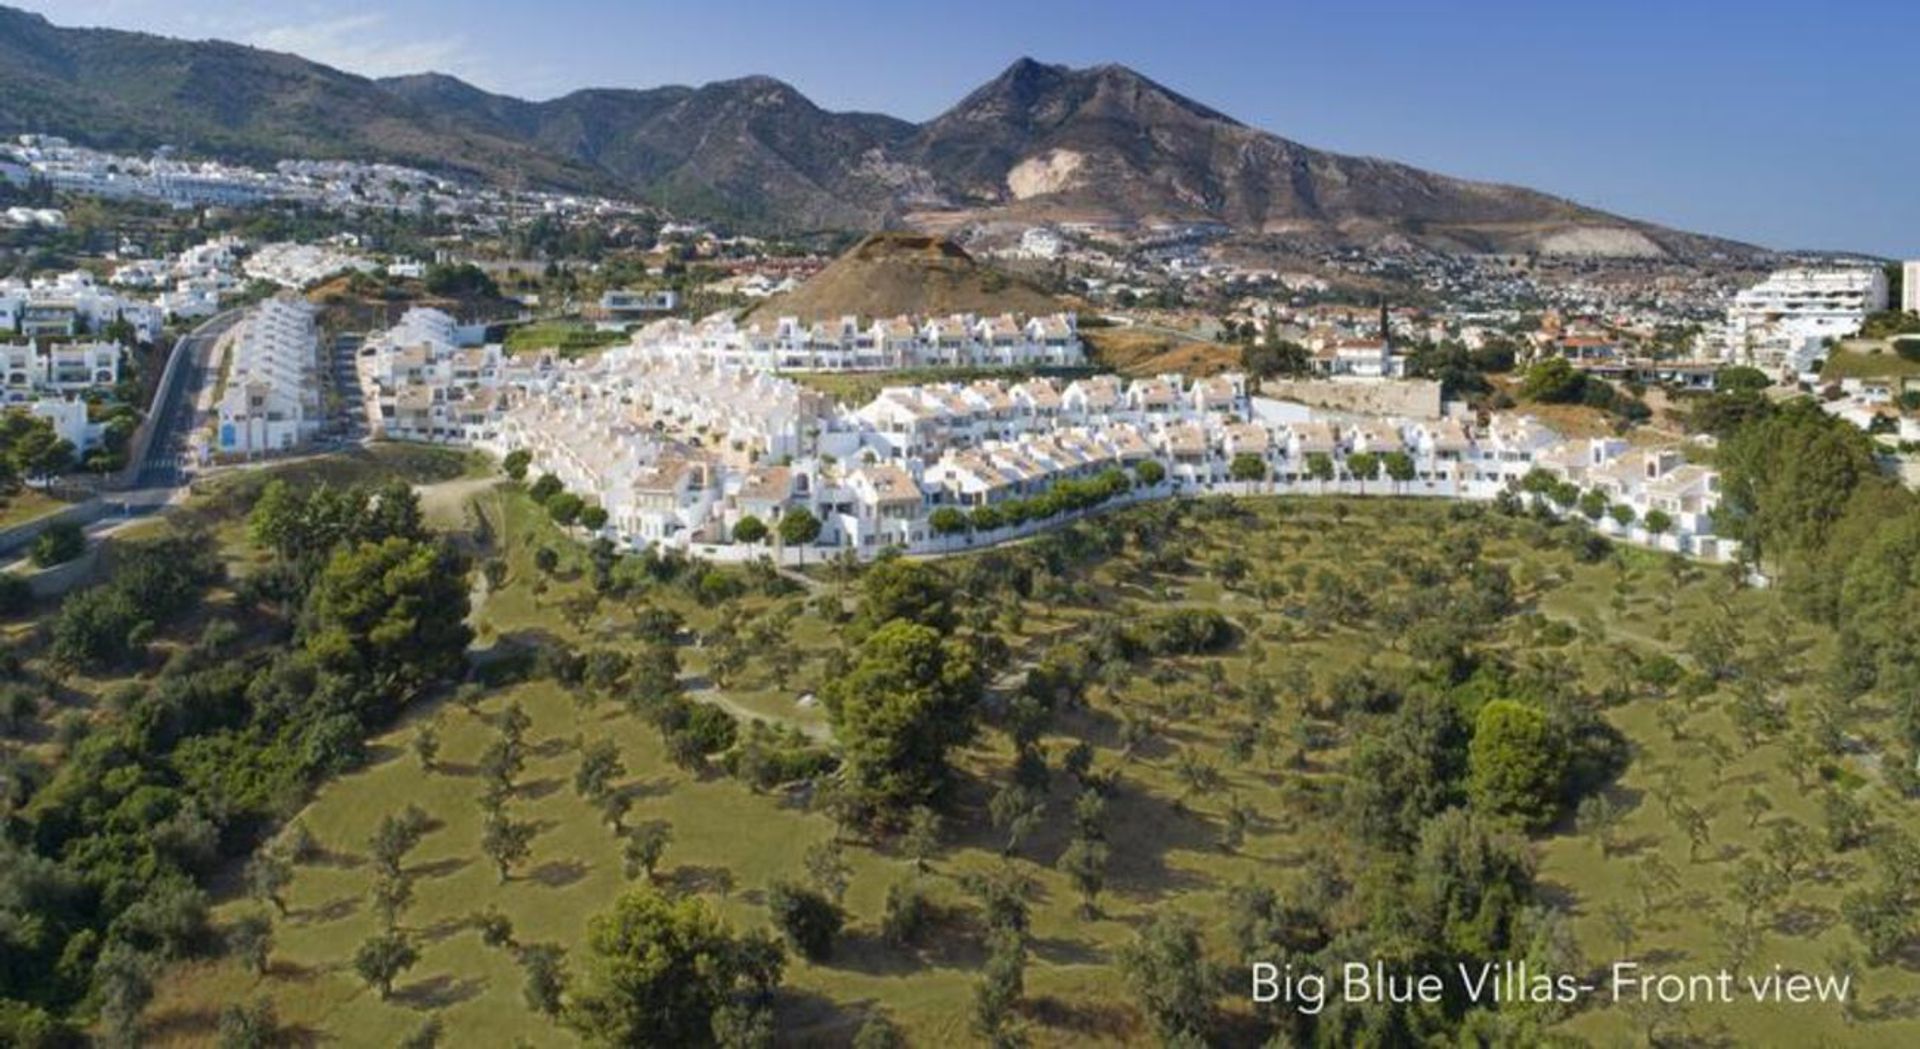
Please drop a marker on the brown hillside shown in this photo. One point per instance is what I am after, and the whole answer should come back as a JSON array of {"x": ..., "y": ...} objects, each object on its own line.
[
  {"x": 888, "y": 274},
  {"x": 1131, "y": 351}
]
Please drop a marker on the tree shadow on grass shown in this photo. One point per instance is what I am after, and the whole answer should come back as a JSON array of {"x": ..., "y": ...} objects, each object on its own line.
[
  {"x": 1803, "y": 920},
  {"x": 333, "y": 910},
  {"x": 558, "y": 874},
  {"x": 378, "y": 754},
  {"x": 689, "y": 878},
  {"x": 195, "y": 1025},
  {"x": 551, "y": 747},
  {"x": 536, "y": 789},
  {"x": 438, "y": 992},
  {"x": 439, "y": 868},
  {"x": 811, "y": 1018},
  {"x": 1107, "y": 1022},
  {"x": 1059, "y": 950},
  {"x": 444, "y": 929}
]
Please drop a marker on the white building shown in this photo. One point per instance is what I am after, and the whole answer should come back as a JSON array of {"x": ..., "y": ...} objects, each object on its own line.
[
  {"x": 1783, "y": 322},
  {"x": 623, "y": 306},
  {"x": 271, "y": 402},
  {"x": 851, "y": 344},
  {"x": 31, "y": 368},
  {"x": 1910, "y": 286}
]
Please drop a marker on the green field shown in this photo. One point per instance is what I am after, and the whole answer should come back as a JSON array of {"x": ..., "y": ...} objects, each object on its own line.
[
  {"x": 569, "y": 340},
  {"x": 1286, "y": 573}
]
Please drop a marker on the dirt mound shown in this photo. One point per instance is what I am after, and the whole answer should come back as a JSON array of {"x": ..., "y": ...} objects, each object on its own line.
[{"x": 918, "y": 274}]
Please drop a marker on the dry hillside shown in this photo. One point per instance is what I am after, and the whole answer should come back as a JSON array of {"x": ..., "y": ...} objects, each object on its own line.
[{"x": 887, "y": 274}]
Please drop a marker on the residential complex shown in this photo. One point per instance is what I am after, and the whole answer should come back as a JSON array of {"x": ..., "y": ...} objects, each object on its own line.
[
  {"x": 851, "y": 344},
  {"x": 679, "y": 446},
  {"x": 270, "y": 398},
  {"x": 1783, "y": 323}
]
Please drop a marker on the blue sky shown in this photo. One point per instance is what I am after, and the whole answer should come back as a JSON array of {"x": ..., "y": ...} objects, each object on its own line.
[{"x": 1778, "y": 123}]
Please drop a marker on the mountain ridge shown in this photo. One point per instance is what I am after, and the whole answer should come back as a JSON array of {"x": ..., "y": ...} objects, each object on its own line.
[{"x": 1104, "y": 145}]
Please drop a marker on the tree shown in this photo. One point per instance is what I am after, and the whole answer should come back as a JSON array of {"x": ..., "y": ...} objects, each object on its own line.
[
  {"x": 392, "y": 614},
  {"x": 57, "y": 544},
  {"x": 599, "y": 767},
  {"x": 1002, "y": 983},
  {"x": 644, "y": 848},
  {"x": 564, "y": 508},
  {"x": 1657, "y": 522},
  {"x": 1597, "y": 817},
  {"x": 546, "y": 488},
  {"x": 947, "y": 520},
  {"x": 1149, "y": 473},
  {"x": 251, "y": 1025},
  {"x": 1320, "y": 467},
  {"x": 827, "y": 868},
  {"x": 267, "y": 875},
  {"x": 506, "y": 842},
  {"x": 1553, "y": 381},
  {"x": 1363, "y": 467},
  {"x": 593, "y": 517},
  {"x": 1085, "y": 862},
  {"x": 1247, "y": 467},
  {"x": 1015, "y": 810},
  {"x": 749, "y": 530},
  {"x": 808, "y": 918},
  {"x": 921, "y": 842},
  {"x": 250, "y": 939},
  {"x": 798, "y": 527},
  {"x": 516, "y": 463},
  {"x": 123, "y": 981},
  {"x": 426, "y": 746},
  {"x": 545, "y": 967},
  {"x": 1171, "y": 978},
  {"x": 908, "y": 700},
  {"x": 1516, "y": 763},
  {"x": 381, "y": 960},
  {"x": 496, "y": 929},
  {"x": 391, "y": 895},
  {"x": 1400, "y": 467},
  {"x": 653, "y": 971}
]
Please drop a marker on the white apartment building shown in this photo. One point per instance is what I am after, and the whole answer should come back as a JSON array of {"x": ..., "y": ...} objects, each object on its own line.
[
  {"x": 1910, "y": 286},
  {"x": 1783, "y": 322},
  {"x": 271, "y": 400},
  {"x": 31, "y": 368}
]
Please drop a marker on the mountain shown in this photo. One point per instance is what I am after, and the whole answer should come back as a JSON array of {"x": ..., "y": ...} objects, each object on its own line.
[
  {"x": 1106, "y": 144},
  {"x": 1038, "y": 143},
  {"x": 892, "y": 273},
  {"x": 132, "y": 91}
]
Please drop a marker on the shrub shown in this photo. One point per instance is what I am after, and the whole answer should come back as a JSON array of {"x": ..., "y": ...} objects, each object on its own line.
[{"x": 58, "y": 544}]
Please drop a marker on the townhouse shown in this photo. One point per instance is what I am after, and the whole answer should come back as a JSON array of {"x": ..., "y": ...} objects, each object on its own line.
[
  {"x": 849, "y": 343},
  {"x": 270, "y": 397}
]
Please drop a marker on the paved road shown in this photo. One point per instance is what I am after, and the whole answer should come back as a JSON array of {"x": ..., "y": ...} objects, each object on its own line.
[
  {"x": 349, "y": 421},
  {"x": 163, "y": 465}
]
